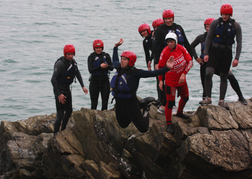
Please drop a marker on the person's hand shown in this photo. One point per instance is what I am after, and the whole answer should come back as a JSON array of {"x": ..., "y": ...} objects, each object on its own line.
[
  {"x": 119, "y": 43},
  {"x": 170, "y": 62},
  {"x": 182, "y": 78},
  {"x": 62, "y": 98},
  {"x": 200, "y": 61},
  {"x": 85, "y": 90},
  {"x": 149, "y": 65},
  {"x": 161, "y": 85},
  {"x": 104, "y": 65},
  {"x": 206, "y": 57},
  {"x": 235, "y": 63},
  {"x": 156, "y": 67}
]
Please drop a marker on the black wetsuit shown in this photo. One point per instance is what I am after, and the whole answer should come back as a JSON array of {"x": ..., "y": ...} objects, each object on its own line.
[
  {"x": 220, "y": 54},
  {"x": 64, "y": 111},
  {"x": 99, "y": 80},
  {"x": 159, "y": 44},
  {"x": 200, "y": 39},
  {"x": 128, "y": 110},
  {"x": 147, "y": 45}
]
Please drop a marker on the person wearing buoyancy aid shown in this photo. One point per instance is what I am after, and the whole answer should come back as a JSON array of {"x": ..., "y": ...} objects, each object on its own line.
[
  {"x": 124, "y": 85},
  {"x": 65, "y": 70},
  {"x": 218, "y": 52},
  {"x": 175, "y": 78},
  {"x": 159, "y": 42},
  {"x": 99, "y": 65},
  {"x": 200, "y": 39}
]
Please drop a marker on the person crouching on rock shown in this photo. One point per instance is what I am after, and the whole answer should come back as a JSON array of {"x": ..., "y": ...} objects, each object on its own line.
[
  {"x": 175, "y": 79},
  {"x": 65, "y": 70},
  {"x": 124, "y": 85}
]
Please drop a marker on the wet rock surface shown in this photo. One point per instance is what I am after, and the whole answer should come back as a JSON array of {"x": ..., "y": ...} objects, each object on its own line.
[{"x": 213, "y": 143}]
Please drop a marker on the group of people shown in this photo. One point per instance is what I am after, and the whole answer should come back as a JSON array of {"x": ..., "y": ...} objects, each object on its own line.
[{"x": 167, "y": 44}]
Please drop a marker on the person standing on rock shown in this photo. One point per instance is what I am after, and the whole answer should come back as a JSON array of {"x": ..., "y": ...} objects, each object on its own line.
[
  {"x": 99, "y": 65},
  {"x": 175, "y": 79},
  {"x": 65, "y": 70},
  {"x": 200, "y": 39},
  {"x": 159, "y": 42},
  {"x": 218, "y": 52},
  {"x": 145, "y": 31},
  {"x": 124, "y": 85}
]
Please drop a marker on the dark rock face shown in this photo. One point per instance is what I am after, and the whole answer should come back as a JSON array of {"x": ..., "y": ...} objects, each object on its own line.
[{"x": 214, "y": 143}]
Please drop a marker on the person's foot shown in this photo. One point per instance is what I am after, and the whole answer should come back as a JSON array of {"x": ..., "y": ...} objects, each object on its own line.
[
  {"x": 205, "y": 102},
  {"x": 156, "y": 103},
  {"x": 161, "y": 110},
  {"x": 223, "y": 104},
  {"x": 184, "y": 116},
  {"x": 170, "y": 129},
  {"x": 243, "y": 101},
  {"x": 174, "y": 110},
  {"x": 146, "y": 110}
]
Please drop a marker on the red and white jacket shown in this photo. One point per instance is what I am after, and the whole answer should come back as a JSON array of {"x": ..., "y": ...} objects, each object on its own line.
[{"x": 182, "y": 64}]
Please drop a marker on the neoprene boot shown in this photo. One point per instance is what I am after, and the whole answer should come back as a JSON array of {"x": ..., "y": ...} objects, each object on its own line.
[
  {"x": 184, "y": 116},
  {"x": 170, "y": 129}
]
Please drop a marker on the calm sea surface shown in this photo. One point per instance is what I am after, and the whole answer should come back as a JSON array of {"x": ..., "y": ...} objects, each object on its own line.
[{"x": 33, "y": 34}]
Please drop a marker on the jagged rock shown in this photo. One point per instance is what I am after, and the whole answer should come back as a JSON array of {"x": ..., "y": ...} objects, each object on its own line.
[{"x": 213, "y": 143}]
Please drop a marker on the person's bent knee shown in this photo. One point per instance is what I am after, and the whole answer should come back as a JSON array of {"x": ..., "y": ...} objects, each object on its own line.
[
  {"x": 186, "y": 99},
  {"x": 209, "y": 72},
  {"x": 171, "y": 104}
]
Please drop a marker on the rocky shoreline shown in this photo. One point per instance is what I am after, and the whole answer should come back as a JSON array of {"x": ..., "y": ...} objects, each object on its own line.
[{"x": 214, "y": 143}]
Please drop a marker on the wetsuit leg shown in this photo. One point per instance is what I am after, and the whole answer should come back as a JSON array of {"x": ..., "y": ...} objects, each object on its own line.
[
  {"x": 184, "y": 94},
  {"x": 223, "y": 85},
  {"x": 208, "y": 81},
  {"x": 68, "y": 109},
  {"x": 94, "y": 89},
  {"x": 128, "y": 110},
  {"x": 158, "y": 90},
  {"x": 234, "y": 83},
  {"x": 105, "y": 90},
  {"x": 163, "y": 94},
  {"x": 170, "y": 98},
  {"x": 60, "y": 114},
  {"x": 122, "y": 119},
  {"x": 225, "y": 63},
  {"x": 202, "y": 77}
]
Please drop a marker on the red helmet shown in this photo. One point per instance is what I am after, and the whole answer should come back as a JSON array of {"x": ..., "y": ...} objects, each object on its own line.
[
  {"x": 144, "y": 27},
  {"x": 208, "y": 21},
  {"x": 69, "y": 48},
  {"x": 131, "y": 56},
  {"x": 157, "y": 22},
  {"x": 98, "y": 43},
  {"x": 226, "y": 9},
  {"x": 168, "y": 13}
]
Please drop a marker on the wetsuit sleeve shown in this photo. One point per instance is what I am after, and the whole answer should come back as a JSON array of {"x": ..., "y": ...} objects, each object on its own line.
[
  {"x": 156, "y": 43},
  {"x": 90, "y": 65},
  {"x": 58, "y": 68},
  {"x": 146, "y": 74},
  {"x": 238, "y": 40},
  {"x": 147, "y": 53},
  {"x": 196, "y": 42},
  {"x": 78, "y": 76},
  {"x": 186, "y": 42},
  {"x": 110, "y": 65},
  {"x": 115, "y": 57},
  {"x": 188, "y": 59},
  {"x": 210, "y": 36}
]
